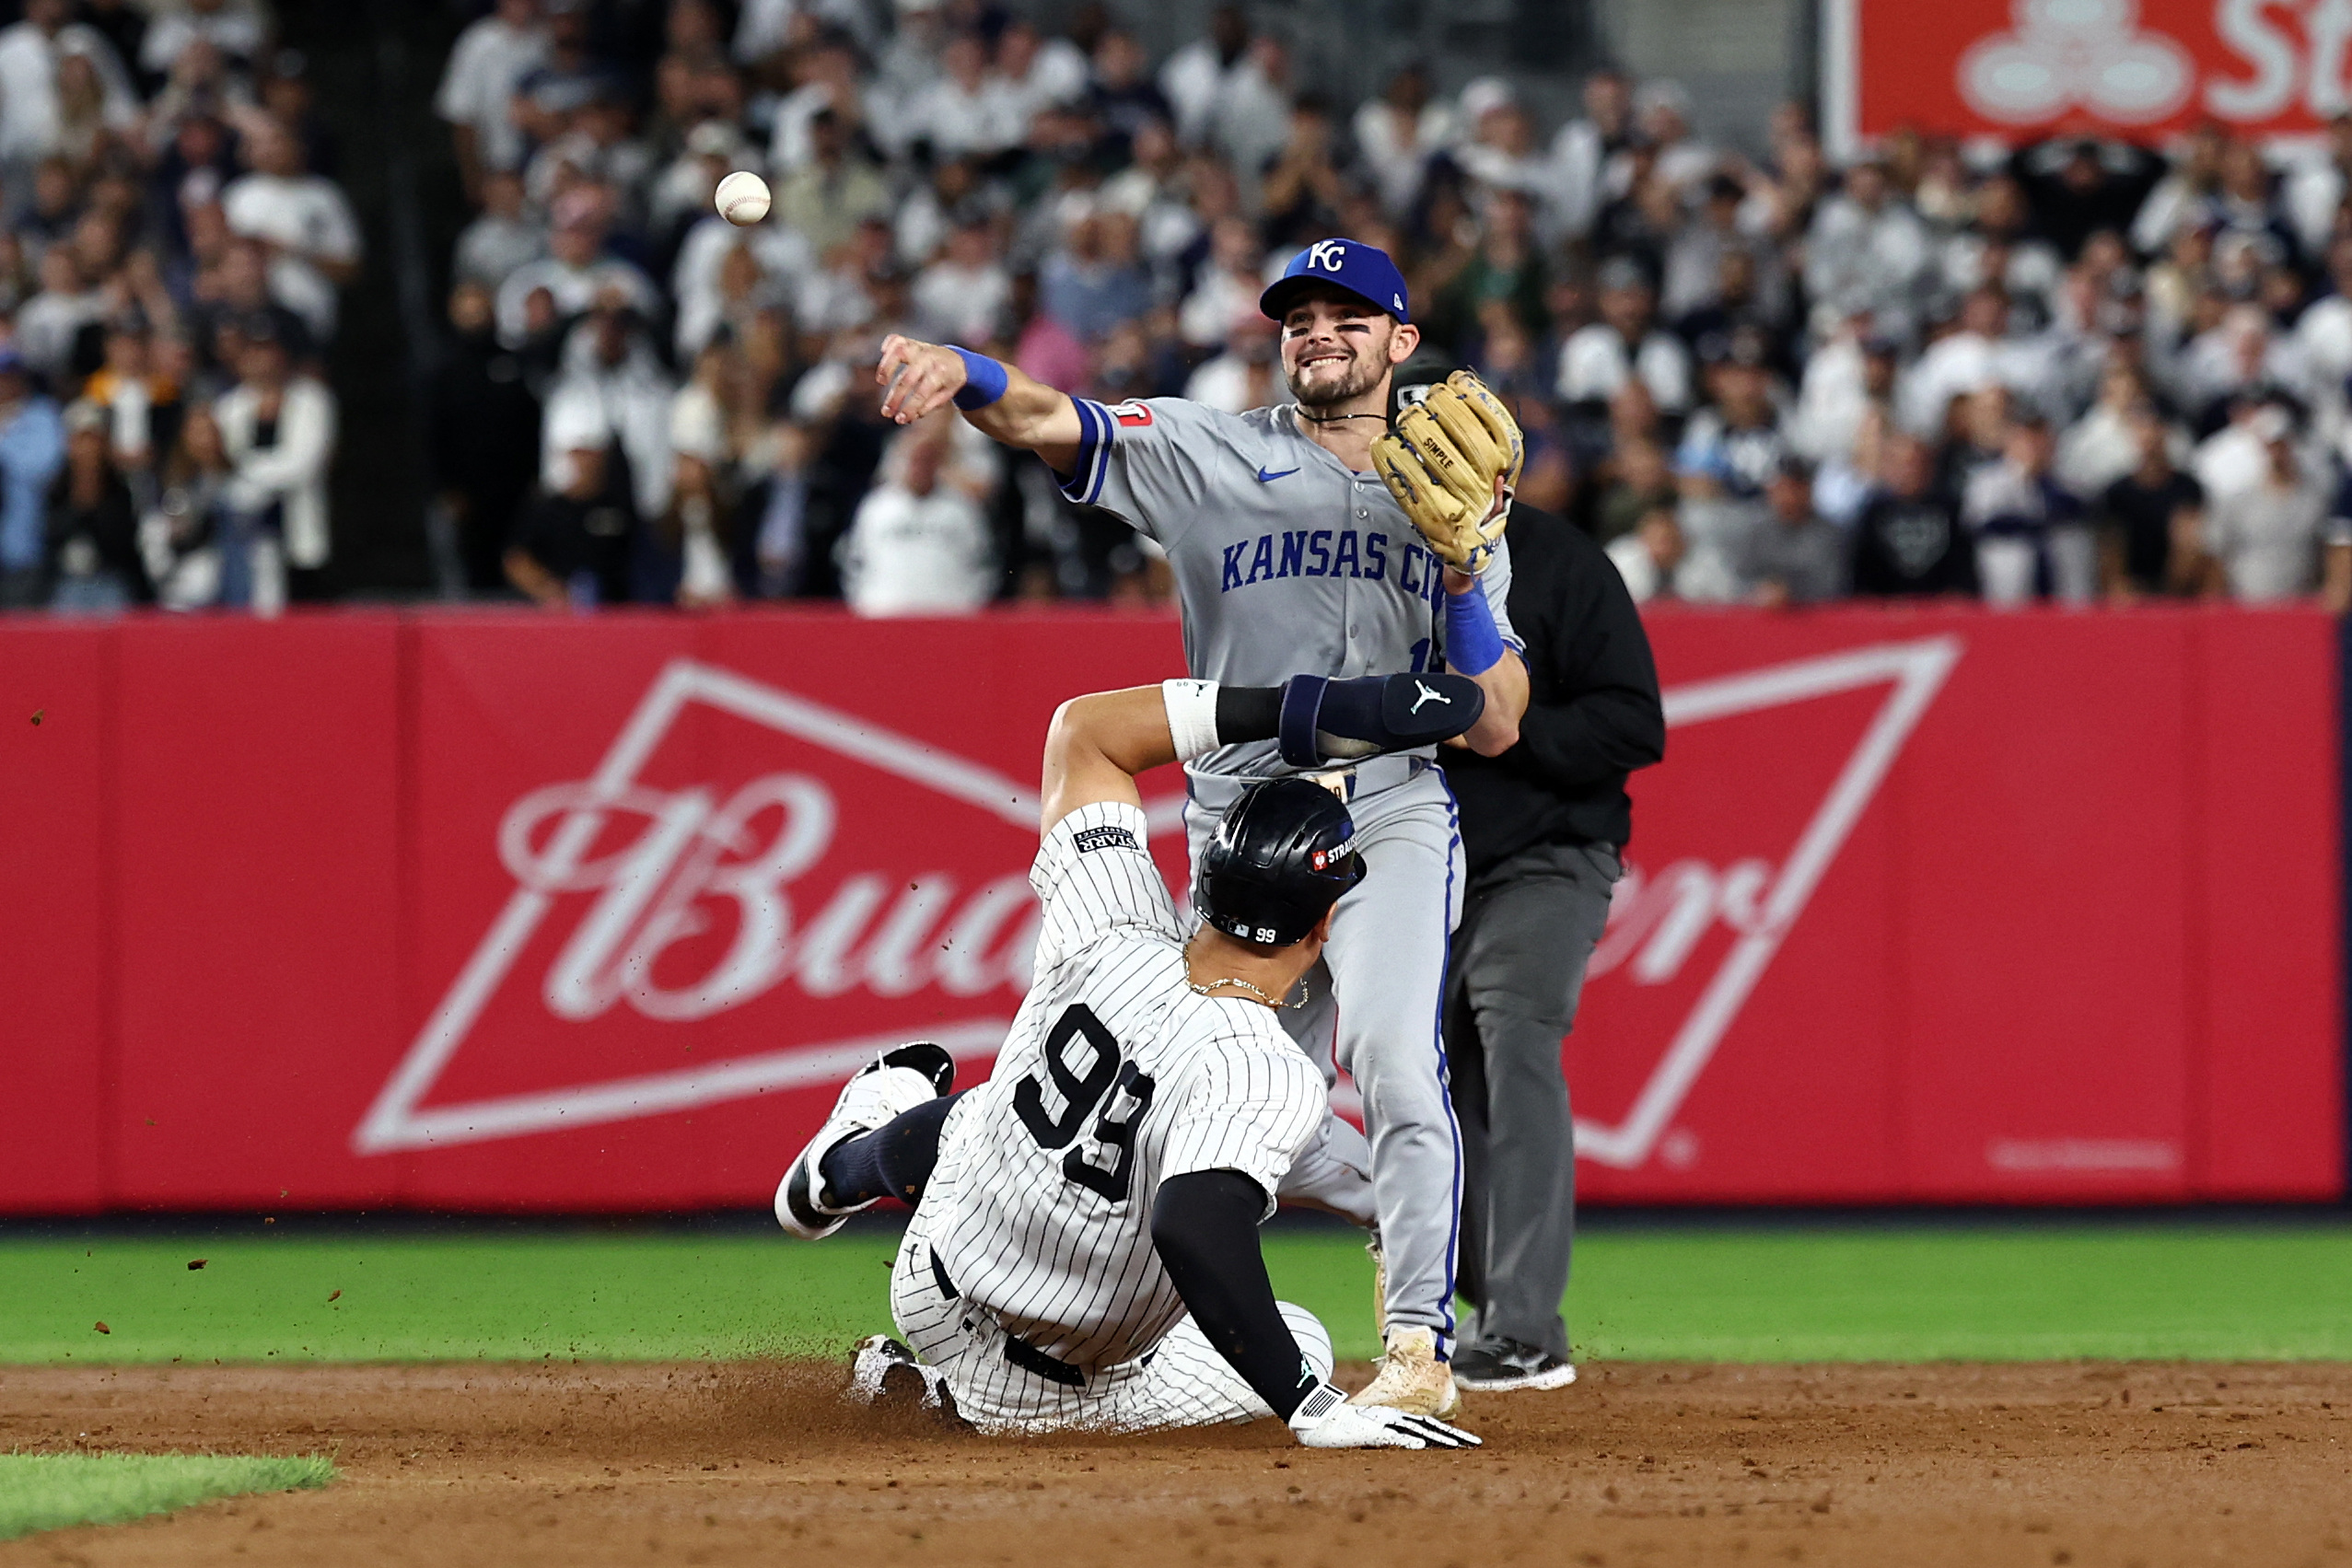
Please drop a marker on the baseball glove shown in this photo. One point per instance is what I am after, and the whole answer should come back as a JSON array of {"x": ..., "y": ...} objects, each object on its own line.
[{"x": 1441, "y": 459}]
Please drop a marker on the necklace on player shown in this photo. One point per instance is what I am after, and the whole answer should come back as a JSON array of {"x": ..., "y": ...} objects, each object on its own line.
[
  {"x": 1203, "y": 987},
  {"x": 1336, "y": 418}
]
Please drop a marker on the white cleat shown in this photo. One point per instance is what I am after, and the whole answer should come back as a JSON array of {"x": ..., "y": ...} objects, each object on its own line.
[
  {"x": 893, "y": 1083},
  {"x": 1411, "y": 1378}
]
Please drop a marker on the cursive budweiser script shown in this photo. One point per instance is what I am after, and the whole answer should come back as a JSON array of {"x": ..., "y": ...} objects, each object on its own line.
[{"x": 696, "y": 863}]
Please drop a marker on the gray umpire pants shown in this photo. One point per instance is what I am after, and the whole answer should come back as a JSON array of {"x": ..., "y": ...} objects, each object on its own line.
[{"x": 1528, "y": 929}]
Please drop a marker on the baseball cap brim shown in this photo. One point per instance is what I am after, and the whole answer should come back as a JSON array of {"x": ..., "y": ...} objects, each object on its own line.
[{"x": 1283, "y": 293}]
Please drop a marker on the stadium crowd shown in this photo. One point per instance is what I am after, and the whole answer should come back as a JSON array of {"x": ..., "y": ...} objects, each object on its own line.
[
  {"x": 2078, "y": 370},
  {"x": 172, "y": 248}
]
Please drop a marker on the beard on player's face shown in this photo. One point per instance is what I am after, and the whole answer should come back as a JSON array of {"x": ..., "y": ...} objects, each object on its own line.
[{"x": 1321, "y": 379}]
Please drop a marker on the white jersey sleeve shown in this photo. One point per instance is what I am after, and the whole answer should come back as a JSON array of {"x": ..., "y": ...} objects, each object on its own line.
[
  {"x": 1248, "y": 1103},
  {"x": 1094, "y": 874},
  {"x": 1153, "y": 462}
]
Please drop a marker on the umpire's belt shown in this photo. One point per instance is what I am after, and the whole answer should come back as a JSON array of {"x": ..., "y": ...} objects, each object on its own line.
[
  {"x": 1217, "y": 792},
  {"x": 1018, "y": 1350}
]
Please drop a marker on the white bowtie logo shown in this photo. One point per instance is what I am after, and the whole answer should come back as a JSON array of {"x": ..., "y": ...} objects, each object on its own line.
[{"x": 1428, "y": 696}]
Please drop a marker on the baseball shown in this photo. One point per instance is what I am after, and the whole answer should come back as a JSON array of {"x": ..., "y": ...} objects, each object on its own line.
[{"x": 742, "y": 197}]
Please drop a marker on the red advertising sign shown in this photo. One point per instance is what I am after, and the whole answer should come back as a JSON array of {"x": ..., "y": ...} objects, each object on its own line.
[
  {"x": 2136, "y": 69},
  {"x": 511, "y": 912}
]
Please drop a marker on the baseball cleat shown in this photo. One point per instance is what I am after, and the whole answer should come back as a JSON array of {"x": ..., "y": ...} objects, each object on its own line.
[
  {"x": 895, "y": 1082},
  {"x": 1411, "y": 1378},
  {"x": 1498, "y": 1365}
]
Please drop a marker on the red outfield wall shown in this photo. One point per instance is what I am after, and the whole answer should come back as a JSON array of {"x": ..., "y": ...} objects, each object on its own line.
[{"x": 493, "y": 912}]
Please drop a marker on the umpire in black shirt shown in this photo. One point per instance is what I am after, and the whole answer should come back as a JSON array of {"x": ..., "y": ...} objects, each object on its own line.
[{"x": 1542, "y": 827}]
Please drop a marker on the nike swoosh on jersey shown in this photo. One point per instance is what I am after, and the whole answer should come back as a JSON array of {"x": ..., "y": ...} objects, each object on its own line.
[{"x": 1264, "y": 477}]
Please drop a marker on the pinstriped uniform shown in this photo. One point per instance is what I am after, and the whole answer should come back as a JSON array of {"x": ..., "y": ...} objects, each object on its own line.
[
  {"x": 1289, "y": 561},
  {"x": 1035, "y": 1229}
]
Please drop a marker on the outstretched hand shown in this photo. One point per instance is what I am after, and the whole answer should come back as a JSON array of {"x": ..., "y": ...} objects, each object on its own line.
[{"x": 917, "y": 378}]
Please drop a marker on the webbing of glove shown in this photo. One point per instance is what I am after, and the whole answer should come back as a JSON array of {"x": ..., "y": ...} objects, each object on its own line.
[{"x": 1441, "y": 459}]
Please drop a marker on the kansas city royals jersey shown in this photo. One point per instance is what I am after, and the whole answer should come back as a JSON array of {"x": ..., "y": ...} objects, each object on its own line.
[
  {"x": 1114, "y": 1077},
  {"x": 1288, "y": 562}
]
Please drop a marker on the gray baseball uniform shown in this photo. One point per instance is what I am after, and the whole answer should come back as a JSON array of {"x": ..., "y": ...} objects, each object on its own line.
[{"x": 1289, "y": 561}]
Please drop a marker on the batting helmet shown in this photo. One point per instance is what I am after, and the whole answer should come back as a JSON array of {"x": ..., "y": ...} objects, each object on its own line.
[{"x": 1282, "y": 856}]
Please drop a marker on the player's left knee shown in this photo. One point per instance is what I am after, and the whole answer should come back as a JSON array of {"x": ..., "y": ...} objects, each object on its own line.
[{"x": 1314, "y": 1340}]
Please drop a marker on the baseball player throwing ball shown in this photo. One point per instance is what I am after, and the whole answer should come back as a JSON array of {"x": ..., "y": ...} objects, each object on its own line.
[
  {"x": 1084, "y": 1247},
  {"x": 1314, "y": 537}
]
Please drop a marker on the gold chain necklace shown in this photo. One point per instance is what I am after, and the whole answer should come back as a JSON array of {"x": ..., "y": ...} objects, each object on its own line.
[{"x": 1202, "y": 988}]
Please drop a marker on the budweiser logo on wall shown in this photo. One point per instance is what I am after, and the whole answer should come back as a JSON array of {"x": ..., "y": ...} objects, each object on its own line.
[{"x": 753, "y": 892}]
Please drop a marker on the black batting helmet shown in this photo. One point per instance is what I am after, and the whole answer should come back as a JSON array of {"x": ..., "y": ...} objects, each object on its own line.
[{"x": 1282, "y": 856}]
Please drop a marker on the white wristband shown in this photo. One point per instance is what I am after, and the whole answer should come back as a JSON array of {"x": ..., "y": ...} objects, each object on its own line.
[{"x": 1192, "y": 716}]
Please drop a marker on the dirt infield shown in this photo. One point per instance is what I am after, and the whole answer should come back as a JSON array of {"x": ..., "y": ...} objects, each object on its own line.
[{"x": 2089, "y": 1464}]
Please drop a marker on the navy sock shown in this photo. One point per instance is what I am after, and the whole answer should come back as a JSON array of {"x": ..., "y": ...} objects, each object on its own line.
[{"x": 892, "y": 1161}]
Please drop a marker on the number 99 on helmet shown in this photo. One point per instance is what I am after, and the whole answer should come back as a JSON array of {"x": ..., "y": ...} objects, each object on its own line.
[{"x": 1279, "y": 859}]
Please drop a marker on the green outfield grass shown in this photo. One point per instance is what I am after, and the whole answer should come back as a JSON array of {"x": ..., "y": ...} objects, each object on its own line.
[
  {"x": 48, "y": 1492},
  {"x": 1872, "y": 1293}
]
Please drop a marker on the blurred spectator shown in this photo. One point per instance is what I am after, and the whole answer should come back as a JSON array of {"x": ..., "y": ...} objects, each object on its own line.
[
  {"x": 93, "y": 525},
  {"x": 1246, "y": 375},
  {"x": 1869, "y": 253},
  {"x": 1303, "y": 193},
  {"x": 2150, "y": 517},
  {"x": 234, "y": 27},
  {"x": 919, "y": 544},
  {"x": 2033, "y": 538},
  {"x": 478, "y": 86},
  {"x": 971, "y": 110},
  {"x": 1096, "y": 280},
  {"x": 1195, "y": 76},
  {"x": 1507, "y": 268},
  {"x": 503, "y": 238},
  {"x": 32, "y": 448},
  {"x": 33, "y": 54},
  {"x": 1649, "y": 557},
  {"x": 1794, "y": 557},
  {"x": 574, "y": 274},
  {"x": 1123, "y": 99},
  {"x": 964, "y": 295},
  {"x": 571, "y": 548},
  {"x": 303, "y": 218},
  {"x": 1398, "y": 133},
  {"x": 277, "y": 427},
  {"x": 612, "y": 381},
  {"x": 826, "y": 197},
  {"x": 1588, "y": 150},
  {"x": 2267, "y": 539},
  {"x": 1638, "y": 479},
  {"x": 482, "y": 433},
  {"x": 140, "y": 397},
  {"x": 1908, "y": 538},
  {"x": 1626, "y": 344},
  {"x": 184, "y": 537}
]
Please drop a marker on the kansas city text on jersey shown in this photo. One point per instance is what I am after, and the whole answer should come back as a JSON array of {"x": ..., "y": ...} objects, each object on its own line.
[{"x": 1330, "y": 552}]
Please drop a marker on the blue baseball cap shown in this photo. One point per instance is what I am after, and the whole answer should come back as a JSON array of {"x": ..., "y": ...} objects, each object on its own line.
[{"x": 1363, "y": 271}]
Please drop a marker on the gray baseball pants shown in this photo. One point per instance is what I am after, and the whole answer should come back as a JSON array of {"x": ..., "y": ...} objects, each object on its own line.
[
  {"x": 1374, "y": 1006},
  {"x": 1528, "y": 929}
]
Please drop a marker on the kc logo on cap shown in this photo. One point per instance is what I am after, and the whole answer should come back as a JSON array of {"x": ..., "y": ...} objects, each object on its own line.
[{"x": 1363, "y": 271}]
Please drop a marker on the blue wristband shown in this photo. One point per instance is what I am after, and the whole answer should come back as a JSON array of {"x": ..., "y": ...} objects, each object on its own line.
[
  {"x": 1473, "y": 645},
  {"x": 984, "y": 379}
]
